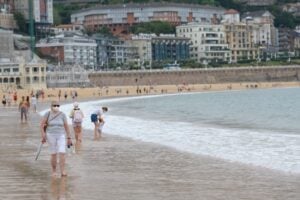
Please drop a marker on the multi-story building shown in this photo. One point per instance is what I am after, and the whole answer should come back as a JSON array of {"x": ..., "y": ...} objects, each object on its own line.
[
  {"x": 286, "y": 40},
  {"x": 42, "y": 14},
  {"x": 70, "y": 48},
  {"x": 6, "y": 17},
  {"x": 208, "y": 42},
  {"x": 17, "y": 69},
  {"x": 266, "y": 36},
  {"x": 297, "y": 44},
  {"x": 67, "y": 28},
  {"x": 170, "y": 48},
  {"x": 42, "y": 10},
  {"x": 239, "y": 37},
  {"x": 118, "y": 18},
  {"x": 143, "y": 44},
  {"x": 113, "y": 52}
]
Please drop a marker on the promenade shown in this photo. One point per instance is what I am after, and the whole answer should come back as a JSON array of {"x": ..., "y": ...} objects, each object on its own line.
[{"x": 117, "y": 168}]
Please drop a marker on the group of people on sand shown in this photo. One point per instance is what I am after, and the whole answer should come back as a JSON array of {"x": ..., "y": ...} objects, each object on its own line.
[
  {"x": 25, "y": 105},
  {"x": 55, "y": 131},
  {"x": 9, "y": 98}
]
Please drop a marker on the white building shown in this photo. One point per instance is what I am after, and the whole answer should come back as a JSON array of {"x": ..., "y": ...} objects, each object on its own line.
[
  {"x": 231, "y": 16},
  {"x": 266, "y": 33},
  {"x": 208, "y": 42},
  {"x": 68, "y": 76},
  {"x": 70, "y": 49}
]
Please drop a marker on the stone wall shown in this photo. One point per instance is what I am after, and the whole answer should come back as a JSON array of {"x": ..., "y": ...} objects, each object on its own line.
[{"x": 198, "y": 76}]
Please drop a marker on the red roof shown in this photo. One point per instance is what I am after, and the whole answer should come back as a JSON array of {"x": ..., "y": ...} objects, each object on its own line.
[{"x": 231, "y": 12}]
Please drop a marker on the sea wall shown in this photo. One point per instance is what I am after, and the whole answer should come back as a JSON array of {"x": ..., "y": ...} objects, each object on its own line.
[{"x": 197, "y": 76}]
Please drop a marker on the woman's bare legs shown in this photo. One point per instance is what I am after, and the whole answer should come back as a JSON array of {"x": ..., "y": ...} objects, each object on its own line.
[
  {"x": 62, "y": 161},
  {"x": 53, "y": 164}
]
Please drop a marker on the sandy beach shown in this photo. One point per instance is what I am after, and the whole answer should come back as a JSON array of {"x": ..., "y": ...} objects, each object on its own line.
[
  {"x": 121, "y": 168},
  {"x": 85, "y": 94}
]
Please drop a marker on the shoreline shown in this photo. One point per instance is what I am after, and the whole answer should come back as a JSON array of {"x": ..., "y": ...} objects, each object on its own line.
[
  {"x": 126, "y": 169},
  {"x": 86, "y": 94}
]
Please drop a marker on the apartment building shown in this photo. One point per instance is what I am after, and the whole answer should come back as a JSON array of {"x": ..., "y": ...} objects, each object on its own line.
[
  {"x": 208, "y": 42},
  {"x": 42, "y": 10},
  {"x": 239, "y": 37},
  {"x": 297, "y": 44},
  {"x": 6, "y": 17},
  {"x": 70, "y": 48},
  {"x": 266, "y": 34},
  {"x": 144, "y": 48},
  {"x": 170, "y": 48},
  {"x": 42, "y": 14},
  {"x": 118, "y": 18}
]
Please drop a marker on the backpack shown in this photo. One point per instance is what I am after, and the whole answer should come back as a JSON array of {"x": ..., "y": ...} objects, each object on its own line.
[{"x": 77, "y": 116}]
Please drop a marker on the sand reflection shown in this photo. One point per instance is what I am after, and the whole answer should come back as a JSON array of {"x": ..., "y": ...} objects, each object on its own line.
[{"x": 58, "y": 188}]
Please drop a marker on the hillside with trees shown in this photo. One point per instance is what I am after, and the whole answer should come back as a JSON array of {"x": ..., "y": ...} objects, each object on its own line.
[{"x": 63, "y": 11}]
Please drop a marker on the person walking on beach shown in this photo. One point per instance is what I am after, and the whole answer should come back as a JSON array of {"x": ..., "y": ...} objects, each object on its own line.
[
  {"x": 4, "y": 101},
  {"x": 98, "y": 119},
  {"x": 23, "y": 108},
  {"x": 59, "y": 95},
  {"x": 66, "y": 95},
  {"x": 28, "y": 104},
  {"x": 33, "y": 103},
  {"x": 77, "y": 116},
  {"x": 15, "y": 98},
  {"x": 55, "y": 134}
]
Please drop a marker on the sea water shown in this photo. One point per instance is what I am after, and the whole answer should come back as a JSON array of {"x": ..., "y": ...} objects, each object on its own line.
[{"x": 254, "y": 127}]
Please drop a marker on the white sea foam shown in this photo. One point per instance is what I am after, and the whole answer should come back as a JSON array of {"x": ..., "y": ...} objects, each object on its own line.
[{"x": 276, "y": 151}]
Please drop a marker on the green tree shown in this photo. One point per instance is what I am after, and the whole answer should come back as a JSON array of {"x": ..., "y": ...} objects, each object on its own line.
[
  {"x": 156, "y": 27},
  {"x": 104, "y": 31},
  {"x": 21, "y": 22}
]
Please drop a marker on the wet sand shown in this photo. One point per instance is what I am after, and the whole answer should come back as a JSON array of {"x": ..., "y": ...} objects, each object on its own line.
[{"x": 118, "y": 168}]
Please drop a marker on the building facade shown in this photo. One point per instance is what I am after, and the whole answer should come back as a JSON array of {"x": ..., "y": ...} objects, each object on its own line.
[
  {"x": 42, "y": 14},
  {"x": 266, "y": 36},
  {"x": 143, "y": 42},
  {"x": 208, "y": 42},
  {"x": 170, "y": 48},
  {"x": 70, "y": 48},
  {"x": 239, "y": 37},
  {"x": 118, "y": 18},
  {"x": 67, "y": 76}
]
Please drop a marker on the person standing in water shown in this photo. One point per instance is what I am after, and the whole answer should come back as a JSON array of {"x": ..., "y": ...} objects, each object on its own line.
[
  {"x": 23, "y": 108},
  {"x": 98, "y": 119},
  {"x": 77, "y": 116},
  {"x": 55, "y": 134}
]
